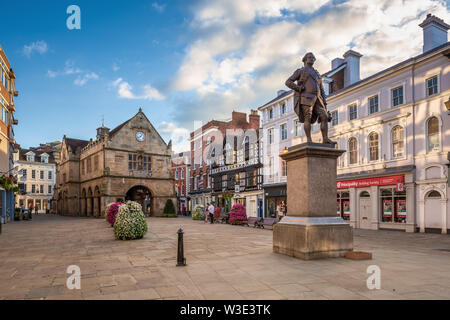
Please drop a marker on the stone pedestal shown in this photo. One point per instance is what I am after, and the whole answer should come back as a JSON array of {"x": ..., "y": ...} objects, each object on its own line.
[{"x": 311, "y": 229}]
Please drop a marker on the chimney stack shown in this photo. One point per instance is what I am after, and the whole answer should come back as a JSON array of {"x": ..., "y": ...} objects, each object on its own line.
[
  {"x": 351, "y": 73},
  {"x": 434, "y": 32}
]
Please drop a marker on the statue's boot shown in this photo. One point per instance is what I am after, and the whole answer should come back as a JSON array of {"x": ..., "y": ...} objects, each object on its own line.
[{"x": 328, "y": 141}]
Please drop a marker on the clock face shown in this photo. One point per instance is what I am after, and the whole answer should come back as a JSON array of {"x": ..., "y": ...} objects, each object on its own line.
[{"x": 140, "y": 136}]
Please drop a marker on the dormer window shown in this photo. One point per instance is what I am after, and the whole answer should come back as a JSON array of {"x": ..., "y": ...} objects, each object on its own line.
[
  {"x": 30, "y": 157},
  {"x": 44, "y": 158}
]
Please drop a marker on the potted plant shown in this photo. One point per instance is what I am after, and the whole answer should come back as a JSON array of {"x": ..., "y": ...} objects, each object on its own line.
[{"x": 169, "y": 209}]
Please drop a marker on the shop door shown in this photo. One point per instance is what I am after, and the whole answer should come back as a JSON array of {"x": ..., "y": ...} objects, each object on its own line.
[
  {"x": 433, "y": 215},
  {"x": 365, "y": 210}
]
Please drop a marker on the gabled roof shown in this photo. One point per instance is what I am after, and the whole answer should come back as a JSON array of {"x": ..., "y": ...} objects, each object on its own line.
[
  {"x": 75, "y": 143},
  {"x": 37, "y": 155}
]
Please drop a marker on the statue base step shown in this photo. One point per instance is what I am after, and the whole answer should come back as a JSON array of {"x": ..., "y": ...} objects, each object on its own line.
[{"x": 312, "y": 238}]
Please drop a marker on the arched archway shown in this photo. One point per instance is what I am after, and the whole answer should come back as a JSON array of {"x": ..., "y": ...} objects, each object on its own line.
[
  {"x": 83, "y": 203},
  {"x": 143, "y": 196},
  {"x": 90, "y": 202}
]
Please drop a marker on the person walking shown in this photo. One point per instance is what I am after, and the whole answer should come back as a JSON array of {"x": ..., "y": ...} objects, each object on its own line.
[
  {"x": 217, "y": 213},
  {"x": 36, "y": 209},
  {"x": 206, "y": 212},
  {"x": 22, "y": 207},
  {"x": 211, "y": 212}
]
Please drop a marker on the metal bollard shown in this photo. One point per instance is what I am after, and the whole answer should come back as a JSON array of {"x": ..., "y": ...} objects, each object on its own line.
[{"x": 181, "y": 260}]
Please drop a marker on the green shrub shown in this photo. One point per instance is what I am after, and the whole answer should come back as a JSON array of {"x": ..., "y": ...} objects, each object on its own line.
[
  {"x": 170, "y": 215},
  {"x": 169, "y": 208},
  {"x": 197, "y": 214},
  {"x": 130, "y": 222}
]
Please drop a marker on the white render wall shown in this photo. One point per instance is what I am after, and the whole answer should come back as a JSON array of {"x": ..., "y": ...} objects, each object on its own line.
[{"x": 431, "y": 167}]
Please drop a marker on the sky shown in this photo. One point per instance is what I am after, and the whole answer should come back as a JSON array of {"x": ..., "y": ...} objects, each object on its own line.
[{"x": 185, "y": 61}]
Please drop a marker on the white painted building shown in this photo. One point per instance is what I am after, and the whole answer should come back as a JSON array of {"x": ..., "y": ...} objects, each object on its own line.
[
  {"x": 395, "y": 127},
  {"x": 36, "y": 179}
]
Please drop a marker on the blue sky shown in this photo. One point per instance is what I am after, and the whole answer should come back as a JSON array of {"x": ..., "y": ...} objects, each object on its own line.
[{"x": 183, "y": 61}]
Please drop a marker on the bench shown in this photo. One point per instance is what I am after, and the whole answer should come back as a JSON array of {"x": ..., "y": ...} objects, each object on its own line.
[
  {"x": 270, "y": 222},
  {"x": 253, "y": 221},
  {"x": 223, "y": 218}
]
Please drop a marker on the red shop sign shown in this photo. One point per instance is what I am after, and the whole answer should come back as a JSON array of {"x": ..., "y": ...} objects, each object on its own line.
[{"x": 398, "y": 181}]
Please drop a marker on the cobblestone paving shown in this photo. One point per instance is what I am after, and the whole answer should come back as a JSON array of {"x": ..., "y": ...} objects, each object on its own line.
[{"x": 223, "y": 262}]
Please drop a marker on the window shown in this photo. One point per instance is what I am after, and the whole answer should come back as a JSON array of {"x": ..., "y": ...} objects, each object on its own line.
[
  {"x": 283, "y": 168},
  {"x": 432, "y": 86},
  {"x": 283, "y": 129},
  {"x": 208, "y": 140},
  {"x": 283, "y": 108},
  {"x": 397, "y": 96},
  {"x": 270, "y": 113},
  {"x": 50, "y": 175},
  {"x": 271, "y": 167},
  {"x": 182, "y": 173},
  {"x": 30, "y": 157},
  {"x": 398, "y": 142},
  {"x": 373, "y": 104},
  {"x": 270, "y": 134},
  {"x": 33, "y": 188},
  {"x": 352, "y": 111},
  {"x": 393, "y": 205},
  {"x": 33, "y": 174},
  {"x": 41, "y": 188},
  {"x": 88, "y": 165},
  {"x": 433, "y": 134},
  {"x": 335, "y": 118},
  {"x": 82, "y": 167},
  {"x": 49, "y": 189},
  {"x": 298, "y": 128},
  {"x": 41, "y": 175},
  {"x": 24, "y": 172},
  {"x": 373, "y": 147},
  {"x": 176, "y": 173},
  {"x": 95, "y": 163},
  {"x": 44, "y": 159},
  {"x": 353, "y": 150}
]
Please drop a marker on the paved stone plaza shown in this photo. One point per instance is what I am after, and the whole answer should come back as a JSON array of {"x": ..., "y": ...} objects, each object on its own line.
[{"x": 224, "y": 262}]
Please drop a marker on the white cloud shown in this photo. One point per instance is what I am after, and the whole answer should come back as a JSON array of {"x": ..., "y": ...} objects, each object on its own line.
[
  {"x": 125, "y": 90},
  {"x": 179, "y": 136},
  {"x": 70, "y": 69},
  {"x": 115, "y": 67},
  {"x": 159, "y": 7},
  {"x": 40, "y": 47},
  {"x": 82, "y": 80},
  {"x": 245, "y": 49}
]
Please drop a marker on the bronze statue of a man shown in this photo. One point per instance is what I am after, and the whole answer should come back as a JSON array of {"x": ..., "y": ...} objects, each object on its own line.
[{"x": 309, "y": 98}]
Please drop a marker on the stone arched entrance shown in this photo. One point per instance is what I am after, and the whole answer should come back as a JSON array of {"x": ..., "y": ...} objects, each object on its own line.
[
  {"x": 97, "y": 202},
  {"x": 143, "y": 196},
  {"x": 90, "y": 202}
]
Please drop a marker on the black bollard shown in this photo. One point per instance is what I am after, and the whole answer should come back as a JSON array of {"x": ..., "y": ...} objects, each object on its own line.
[{"x": 181, "y": 261}]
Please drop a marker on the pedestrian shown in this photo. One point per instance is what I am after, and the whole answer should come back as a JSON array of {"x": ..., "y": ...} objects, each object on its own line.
[
  {"x": 22, "y": 207},
  {"x": 217, "y": 213},
  {"x": 36, "y": 209},
  {"x": 205, "y": 212},
  {"x": 211, "y": 212}
]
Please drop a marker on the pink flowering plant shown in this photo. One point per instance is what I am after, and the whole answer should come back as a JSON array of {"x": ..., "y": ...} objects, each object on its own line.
[
  {"x": 238, "y": 214},
  {"x": 113, "y": 208}
]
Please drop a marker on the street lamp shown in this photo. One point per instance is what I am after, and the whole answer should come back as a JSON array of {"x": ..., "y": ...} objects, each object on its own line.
[{"x": 447, "y": 105}]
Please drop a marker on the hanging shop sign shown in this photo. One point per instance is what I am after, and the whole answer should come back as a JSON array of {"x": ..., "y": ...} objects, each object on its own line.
[{"x": 398, "y": 181}]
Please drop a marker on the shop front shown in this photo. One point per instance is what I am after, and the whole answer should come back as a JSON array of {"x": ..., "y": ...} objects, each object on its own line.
[
  {"x": 275, "y": 201},
  {"x": 383, "y": 202}
]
